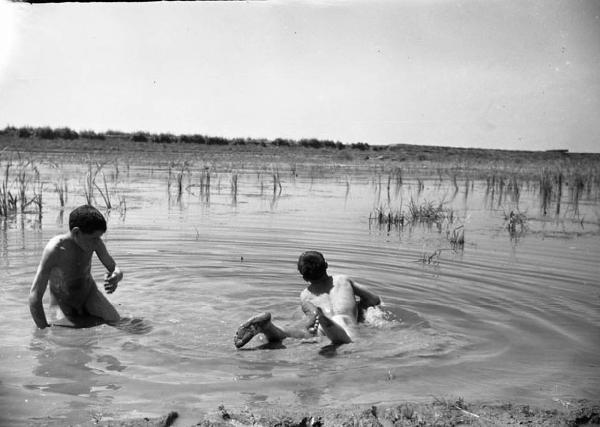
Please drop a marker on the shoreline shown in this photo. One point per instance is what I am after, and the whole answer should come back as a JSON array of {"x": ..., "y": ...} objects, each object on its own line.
[{"x": 438, "y": 413}]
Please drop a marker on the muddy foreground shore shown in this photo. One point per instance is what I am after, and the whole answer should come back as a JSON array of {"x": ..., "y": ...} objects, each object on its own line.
[{"x": 438, "y": 413}]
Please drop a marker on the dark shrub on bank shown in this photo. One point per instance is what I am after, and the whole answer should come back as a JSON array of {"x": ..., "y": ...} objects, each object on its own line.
[
  {"x": 281, "y": 142},
  {"x": 362, "y": 146},
  {"x": 139, "y": 137},
  {"x": 166, "y": 138},
  {"x": 192, "y": 139},
  {"x": 216, "y": 140},
  {"x": 9, "y": 130},
  {"x": 66, "y": 133},
  {"x": 311, "y": 143},
  {"x": 59, "y": 133},
  {"x": 25, "y": 132},
  {"x": 45, "y": 133},
  {"x": 328, "y": 144},
  {"x": 90, "y": 134}
]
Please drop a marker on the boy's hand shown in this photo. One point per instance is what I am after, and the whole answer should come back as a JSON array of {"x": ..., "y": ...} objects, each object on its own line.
[
  {"x": 312, "y": 324},
  {"x": 111, "y": 281},
  {"x": 313, "y": 327}
]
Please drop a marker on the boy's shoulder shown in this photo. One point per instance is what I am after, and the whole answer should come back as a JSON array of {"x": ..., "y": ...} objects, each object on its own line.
[
  {"x": 58, "y": 242},
  {"x": 341, "y": 278},
  {"x": 306, "y": 294}
]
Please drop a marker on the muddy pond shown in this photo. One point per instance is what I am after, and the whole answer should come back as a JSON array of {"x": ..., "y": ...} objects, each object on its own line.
[{"x": 474, "y": 305}]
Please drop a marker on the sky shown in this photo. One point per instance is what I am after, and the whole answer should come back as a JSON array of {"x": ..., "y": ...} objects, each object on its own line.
[{"x": 510, "y": 74}]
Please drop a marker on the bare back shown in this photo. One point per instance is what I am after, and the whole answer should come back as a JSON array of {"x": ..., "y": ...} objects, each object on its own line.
[
  {"x": 70, "y": 276},
  {"x": 335, "y": 298}
]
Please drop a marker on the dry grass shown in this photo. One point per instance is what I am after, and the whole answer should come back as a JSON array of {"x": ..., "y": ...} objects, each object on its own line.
[{"x": 20, "y": 188}]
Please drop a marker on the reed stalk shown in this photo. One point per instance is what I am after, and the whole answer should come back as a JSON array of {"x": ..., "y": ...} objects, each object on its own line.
[
  {"x": 234, "y": 187},
  {"x": 5, "y": 195},
  {"x": 89, "y": 184},
  {"x": 104, "y": 194},
  {"x": 516, "y": 223},
  {"x": 276, "y": 183},
  {"x": 38, "y": 190},
  {"x": 457, "y": 237},
  {"x": 546, "y": 189},
  {"x": 577, "y": 189}
]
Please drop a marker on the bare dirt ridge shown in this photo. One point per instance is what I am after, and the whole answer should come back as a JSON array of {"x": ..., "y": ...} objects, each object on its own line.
[
  {"x": 392, "y": 152},
  {"x": 439, "y": 413}
]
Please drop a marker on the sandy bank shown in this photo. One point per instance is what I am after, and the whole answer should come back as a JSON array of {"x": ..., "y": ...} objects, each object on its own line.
[{"x": 438, "y": 413}]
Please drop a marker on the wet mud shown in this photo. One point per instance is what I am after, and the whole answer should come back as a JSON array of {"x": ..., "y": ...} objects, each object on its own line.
[{"x": 438, "y": 413}]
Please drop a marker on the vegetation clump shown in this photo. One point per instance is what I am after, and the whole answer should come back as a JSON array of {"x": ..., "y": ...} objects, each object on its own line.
[
  {"x": 60, "y": 133},
  {"x": 66, "y": 133},
  {"x": 427, "y": 213},
  {"x": 457, "y": 237},
  {"x": 90, "y": 134},
  {"x": 441, "y": 412},
  {"x": 388, "y": 218},
  {"x": 140, "y": 137},
  {"x": 516, "y": 223},
  {"x": 20, "y": 188}
]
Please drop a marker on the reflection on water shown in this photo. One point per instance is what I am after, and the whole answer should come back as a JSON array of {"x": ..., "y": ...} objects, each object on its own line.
[
  {"x": 72, "y": 365},
  {"x": 503, "y": 316},
  {"x": 134, "y": 326}
]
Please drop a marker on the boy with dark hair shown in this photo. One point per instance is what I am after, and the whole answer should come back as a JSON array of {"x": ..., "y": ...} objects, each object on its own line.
[
  {"x": 66, "y": 265},
  {"x": 329, "y": 303}
]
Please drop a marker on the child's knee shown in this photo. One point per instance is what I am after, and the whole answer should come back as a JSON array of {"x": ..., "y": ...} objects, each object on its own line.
[{"x": 110, "y": 314}]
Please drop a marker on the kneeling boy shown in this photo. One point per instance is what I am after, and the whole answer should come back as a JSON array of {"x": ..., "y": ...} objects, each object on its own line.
[{"x": 66, "y": 265}]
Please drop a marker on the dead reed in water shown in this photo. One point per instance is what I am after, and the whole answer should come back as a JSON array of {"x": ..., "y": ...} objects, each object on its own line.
[
  {"x": 8, "y": 201},
  {"x": 91, "y": 186},
  {"x": 387, "y": 218},
  {"x": 176, "y": 172},
  {"x": 456, "y": 237},
  {"x": 516, "y": 223},
  {"x": 20, "y": 189},
  {"x": 234, "y": 187}
]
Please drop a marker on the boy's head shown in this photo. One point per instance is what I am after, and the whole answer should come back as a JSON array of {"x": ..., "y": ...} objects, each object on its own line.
[
  {"x": 312, "y": 265},
  {"x": 88, "y": 219}
]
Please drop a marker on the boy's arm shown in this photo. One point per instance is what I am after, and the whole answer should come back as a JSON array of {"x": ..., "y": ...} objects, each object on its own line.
[
  {"x": 367, "y": 298},
  {"x": 38, "y": 287},
  {"x": 307, "y": 307},
  {"x": 115, "y": 274}
]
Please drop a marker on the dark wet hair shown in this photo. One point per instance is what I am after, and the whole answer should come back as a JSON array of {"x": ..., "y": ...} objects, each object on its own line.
[
  {"x": 312, "y": 265},
  {"x": 88, "y": 219}
]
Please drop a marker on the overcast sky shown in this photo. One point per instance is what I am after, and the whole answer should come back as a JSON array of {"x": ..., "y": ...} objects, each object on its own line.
[{"x": 514, "y": 74}]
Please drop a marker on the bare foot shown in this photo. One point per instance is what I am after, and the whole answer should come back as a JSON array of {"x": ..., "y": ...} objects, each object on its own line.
[{"x": 250, "y": 328}]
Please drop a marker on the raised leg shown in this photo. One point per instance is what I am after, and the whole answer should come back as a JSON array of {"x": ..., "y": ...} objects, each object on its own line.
[
  {"x": 262, "y": 324},
  {"x": 339, "y": 330},
  {"x": 97, "y": 305},
  {"x": 256, "y": 325}
]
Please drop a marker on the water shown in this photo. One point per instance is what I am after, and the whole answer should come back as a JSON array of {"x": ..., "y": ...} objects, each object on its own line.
[{"x": 505, "y": 318}]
